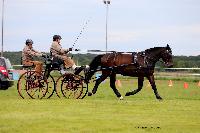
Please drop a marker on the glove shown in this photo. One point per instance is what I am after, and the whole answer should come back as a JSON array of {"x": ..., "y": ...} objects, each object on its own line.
[
  {"x": 44, "y": 55},
  {"x": 70, "y": 49},
  {"x": 77, "y": 49}
]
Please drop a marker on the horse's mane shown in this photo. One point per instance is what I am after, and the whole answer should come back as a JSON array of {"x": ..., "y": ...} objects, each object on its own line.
[{"x": 152, "y": 49}]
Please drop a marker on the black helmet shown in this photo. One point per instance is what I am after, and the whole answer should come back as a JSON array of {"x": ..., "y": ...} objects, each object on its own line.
[
  {"x": 55, "y": 37},
  {"x": 29, "y": 41}
]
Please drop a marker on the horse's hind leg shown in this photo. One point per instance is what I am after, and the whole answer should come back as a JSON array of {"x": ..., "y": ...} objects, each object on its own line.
[
  {"x": 153, "y": 85},
  {"x": 112, "y": 85},
  {"x": 140, "y": 85},
  {"x": 98, "y": 81}
]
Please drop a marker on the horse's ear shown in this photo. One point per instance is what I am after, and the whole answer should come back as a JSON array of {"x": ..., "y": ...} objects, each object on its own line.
[
  {"x": 167, "y": 45},
  {"x": 168, "y": 48}
]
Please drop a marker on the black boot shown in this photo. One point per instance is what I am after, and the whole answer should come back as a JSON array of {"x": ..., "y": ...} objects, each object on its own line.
[{"x": 78, "y": 70}]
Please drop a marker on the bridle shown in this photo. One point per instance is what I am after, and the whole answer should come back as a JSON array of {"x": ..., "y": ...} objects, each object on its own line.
[{"x": 165, "y": 56}]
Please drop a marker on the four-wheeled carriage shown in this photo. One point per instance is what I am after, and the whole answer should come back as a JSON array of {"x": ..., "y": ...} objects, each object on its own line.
[{"x": 68, "y": 85}]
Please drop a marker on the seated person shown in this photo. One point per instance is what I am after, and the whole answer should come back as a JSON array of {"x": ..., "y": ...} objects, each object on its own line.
[
  {"x": 27, "y": 57},
  {"x": 57, "y": 51}
]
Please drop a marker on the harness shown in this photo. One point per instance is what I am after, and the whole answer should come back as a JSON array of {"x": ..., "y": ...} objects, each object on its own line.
[
  {"x": 135, "y": 59},
  {"x": 110, "y": 57}
]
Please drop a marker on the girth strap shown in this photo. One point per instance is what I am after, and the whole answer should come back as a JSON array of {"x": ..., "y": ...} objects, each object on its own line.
[{"x": 135, "y": 58}]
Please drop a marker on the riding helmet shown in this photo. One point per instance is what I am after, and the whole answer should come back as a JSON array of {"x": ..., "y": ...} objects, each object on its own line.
[
  {"x": 55, "y": 37},
  {"x": 29, "y": 41}
]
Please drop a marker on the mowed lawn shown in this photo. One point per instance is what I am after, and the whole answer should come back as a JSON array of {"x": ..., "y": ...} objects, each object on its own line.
[{"x": 179, "y": 112}]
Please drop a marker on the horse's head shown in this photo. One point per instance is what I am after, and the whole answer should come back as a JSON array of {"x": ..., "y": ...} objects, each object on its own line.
[{"x": 166, "y": 56}]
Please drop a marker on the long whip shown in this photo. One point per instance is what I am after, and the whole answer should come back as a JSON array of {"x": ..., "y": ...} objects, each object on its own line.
[{"x": 80, "y": 33}]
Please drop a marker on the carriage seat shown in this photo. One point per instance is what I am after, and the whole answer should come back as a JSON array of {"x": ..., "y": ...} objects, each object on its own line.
[
  {"x": 56, "y": 62},
  {"x": 26, "y": 66}
]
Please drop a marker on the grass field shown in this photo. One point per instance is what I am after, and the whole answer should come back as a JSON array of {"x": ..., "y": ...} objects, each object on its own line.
[{"x": 179, "y": 112}]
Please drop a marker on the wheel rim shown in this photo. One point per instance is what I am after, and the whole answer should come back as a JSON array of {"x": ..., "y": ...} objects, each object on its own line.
[
  {"x": 37, "y": 87},
  {"x": 72, "y": 86},
  {"x": 22, "y": 84}
]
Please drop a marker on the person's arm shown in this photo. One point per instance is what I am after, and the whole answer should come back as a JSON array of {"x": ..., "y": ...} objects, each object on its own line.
[
  {"x": 65, "y": 51},
  {"x": 57, "y": 48},
  {"x": 35, "y": 53}
]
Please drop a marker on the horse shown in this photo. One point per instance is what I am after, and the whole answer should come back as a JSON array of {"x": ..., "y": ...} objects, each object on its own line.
[{"x": 134, "y": 64}]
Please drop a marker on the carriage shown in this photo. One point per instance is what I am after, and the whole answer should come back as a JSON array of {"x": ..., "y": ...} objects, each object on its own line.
[
  {"x": 135, "y": 64},
  {"x": 67, "y": 84}
]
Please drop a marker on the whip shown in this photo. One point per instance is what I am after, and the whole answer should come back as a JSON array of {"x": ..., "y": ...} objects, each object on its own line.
[{"x": 79, "y": 35}]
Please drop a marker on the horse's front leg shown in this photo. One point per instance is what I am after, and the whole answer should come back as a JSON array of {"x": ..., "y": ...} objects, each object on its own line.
[
  {"x": 140, "y": 85},
  {"x": 112, "y": 85},
  {"x": 98, "y": 81},
  {"x": 153, "y": 85}
]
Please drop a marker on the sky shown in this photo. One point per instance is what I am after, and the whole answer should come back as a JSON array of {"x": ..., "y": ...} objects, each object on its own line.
[{"x": 133, "y": 25}]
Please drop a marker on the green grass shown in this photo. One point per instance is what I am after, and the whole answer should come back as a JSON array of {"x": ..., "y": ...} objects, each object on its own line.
[{"x": 179, "y": 112}]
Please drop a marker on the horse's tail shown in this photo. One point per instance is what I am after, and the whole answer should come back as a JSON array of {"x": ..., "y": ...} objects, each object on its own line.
[{"x": 96, "y": 62}]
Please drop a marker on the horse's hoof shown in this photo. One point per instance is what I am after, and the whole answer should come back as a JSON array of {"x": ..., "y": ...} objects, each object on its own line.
[
  {"x": 121, "y": 98},
  {"x": 89, "y": 93},
  {"x": 128, "y": 94}
]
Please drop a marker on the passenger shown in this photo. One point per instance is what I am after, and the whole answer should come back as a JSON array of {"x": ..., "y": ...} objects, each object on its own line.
[{"x": 27, "y": 57}]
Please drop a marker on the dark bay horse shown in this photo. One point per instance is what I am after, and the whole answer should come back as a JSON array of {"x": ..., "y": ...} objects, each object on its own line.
[{"x": 134, "y": 64}]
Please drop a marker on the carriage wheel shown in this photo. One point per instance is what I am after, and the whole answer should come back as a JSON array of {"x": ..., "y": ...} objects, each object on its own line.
[
  {"x": 37, "y": 87},
  {"x": 29, "y": 83},
  {"x": 22, "y": 84},
  {"x": 25, "y": 82},
  {"x": 72, "y": 86},
  {"x": 51, "y": 87}
]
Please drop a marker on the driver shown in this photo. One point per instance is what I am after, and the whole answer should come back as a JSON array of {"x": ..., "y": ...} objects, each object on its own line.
[
  {"x": 27, "y": 57},
  {"x": 56, "y": 50}
]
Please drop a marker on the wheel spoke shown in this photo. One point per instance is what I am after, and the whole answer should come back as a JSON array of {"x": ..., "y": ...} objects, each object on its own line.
[{"x": 71, "y": 86}]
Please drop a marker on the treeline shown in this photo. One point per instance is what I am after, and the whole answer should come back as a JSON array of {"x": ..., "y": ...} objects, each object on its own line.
[
  {"x": 83, "y": 59},
  {"x": 187, "y": 61},
  {"x": 80, "y": 59}
]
